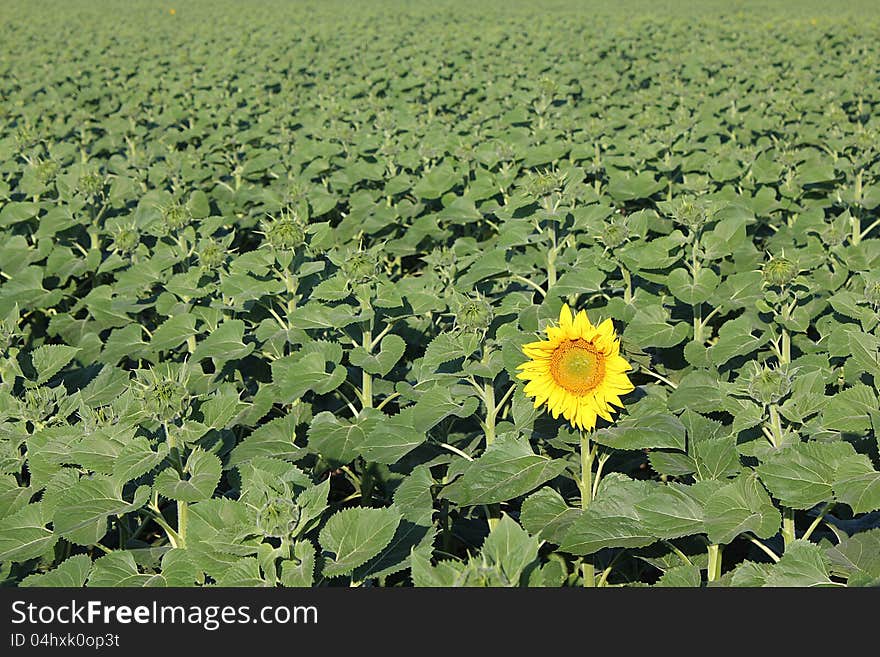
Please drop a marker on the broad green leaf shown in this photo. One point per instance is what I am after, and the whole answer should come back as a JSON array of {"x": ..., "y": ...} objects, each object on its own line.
[
  {"x": 804, "y": 564},
  {"x": 48, "y": 360},
  {"x": 802, "y": 476},
  {"x": 546, "y": 514},
  {"x": 353, "y": 536},
  {"x": 224, "y": 343},
  {"x": 857, "y": 558},
  {"x": 71, "y": 573},
  {"x": 510, "y": 549},
  {"x": 671, "y": 512},
  {"x": 643, "y": 432},
  {"x": 339, "y": 440},
  {"x": 507, "y": 469},
  {"x": 691, "y": 290},
  {"x": 740, "y": 506},
  {"x": 293, "y": 376},
  {"x": 201, "y": 474},
  {"x": 82, "y": 513},
  {"x": 392, "y": 348},
  {"x": 857, "y": 483},
  {"x": 24, "y": 535},
  {"x": 681, "y": 577}
]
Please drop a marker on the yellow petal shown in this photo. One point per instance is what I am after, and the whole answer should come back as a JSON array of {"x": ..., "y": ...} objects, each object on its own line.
[{"x": 565, "y": 320}]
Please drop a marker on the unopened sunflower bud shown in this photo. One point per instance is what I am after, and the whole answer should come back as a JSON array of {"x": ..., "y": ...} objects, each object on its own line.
[
  {"x": 91, "y": 183},
  {"x": 125, "y": 240},
  {"x": 211, "y": 255},
  {"x": 872, "y": 293},
  {"x": 545, "y": 183},
  {"x": 690, "y": 213},
  {"x": 768, "y": 385},
  {"x": 285, "y": 233},
  {"x": 779, "y": 271},
  {"x": 474, "y": 315},
  {"x": 360, "y": 267},
  {"x": 278, "y": 517},
  {"x": 46, "y": 170},
  {"x": 614, "y": 235},
  {"x": 176, "y": 216}
]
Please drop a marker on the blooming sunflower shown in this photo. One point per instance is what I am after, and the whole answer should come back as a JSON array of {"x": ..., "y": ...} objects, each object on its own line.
[{"x": 578, "y": 371}]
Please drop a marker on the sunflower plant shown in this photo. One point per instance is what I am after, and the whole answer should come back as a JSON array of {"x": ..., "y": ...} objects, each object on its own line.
[{"x": 355, "y": 311}]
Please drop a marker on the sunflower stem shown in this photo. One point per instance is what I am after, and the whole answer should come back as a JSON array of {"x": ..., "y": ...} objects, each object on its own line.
[
  {"x": 788, "y": 531},
  {"x": 713, "y": 570},
  {"x": 586, "y": 486},
  {"x": 491, "y": 411},
  {"x": 627, "y": 285},
  {"x": 493, "y": 511},
  {"x": 367, "y": 379}
]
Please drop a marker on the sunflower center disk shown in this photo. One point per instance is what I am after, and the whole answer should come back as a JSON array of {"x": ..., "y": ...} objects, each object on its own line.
[{"x": 576, "y": 366}]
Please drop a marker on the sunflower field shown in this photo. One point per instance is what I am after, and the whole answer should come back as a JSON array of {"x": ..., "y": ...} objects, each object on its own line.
[{"x": 439, "y": 293}]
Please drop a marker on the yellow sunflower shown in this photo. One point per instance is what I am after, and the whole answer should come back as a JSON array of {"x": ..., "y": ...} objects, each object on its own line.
[{"x": 578, "y": 371}]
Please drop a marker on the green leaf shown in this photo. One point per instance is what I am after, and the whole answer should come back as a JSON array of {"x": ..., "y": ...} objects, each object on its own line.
[
  {"x": 339, "y": 440},
  {"x": 591, "y": 532},
  {"x": 671, "y": 512},
  {"x": 274, "y": 438},
  {"x": 698, "y": 391},
  {"x": 23, "y": 534},
  {"x": 857, "y": 483},
  {"x": 650, "y": 327},
  {"x": 380, "y": 364},
  {"x": 716, "y": 458},
  {"x": 173, "y": 332},
  {"x": 202, "y": 474},
  {"x": 510, "y": 549},
  {"x": 301, "y": 571},
  {"x": 849, "y": 410},
  {"x": 738, "y": 507},
  {"x": 680, "y": 577},
  {"x": 802, "y": 476},
  {"x": 545, "y": 514},
  {"x": 353, "y": 536},
  {"x": 436, "y": 182},
  {"x": 804, "y": 564},
  {"x": 691, "y": 290},
  {"x": 612, "y": 519},
  {"x": 507, "y": 469},
  {"x": 48, "y": 360},
  {"x": 84, "y": 508},
  {"x": 857, "y": 558},
  {"x": 224, "y": 343},
  {"x": 71, "y": 573},
  {"x": 119, "y": 569},
  {"x": 293, "y": 376},
  {"x": 650, "y": 431}
]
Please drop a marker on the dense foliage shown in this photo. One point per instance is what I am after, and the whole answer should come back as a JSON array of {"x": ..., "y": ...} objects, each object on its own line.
[{"x": 266, "y": 270}]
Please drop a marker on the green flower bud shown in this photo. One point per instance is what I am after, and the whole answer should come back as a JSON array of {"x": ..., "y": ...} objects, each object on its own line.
[
  {"x": 545, "y": 183},
  {"x": 474, "y": 315},
  {"x": 872, "y": 293},
  {"x": 176, "y": 217},
  {"x": 46, "y": 170},
  {"x": 768, "y": 385},
  {"x": 125, "y": 240},
  {"x": 690, "y": 212},
  {"x": 163, "y": 392},
  {"x": 285, "y": 233},
  {"x": 211, "y": 256},
  {"x": 91, "y": 183},
  {"x": 779, "y": 271},
  {"x": 278, "y": 517},
  {"x": 614, "y": 234},
  {"x": 360, "y": 267}
]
